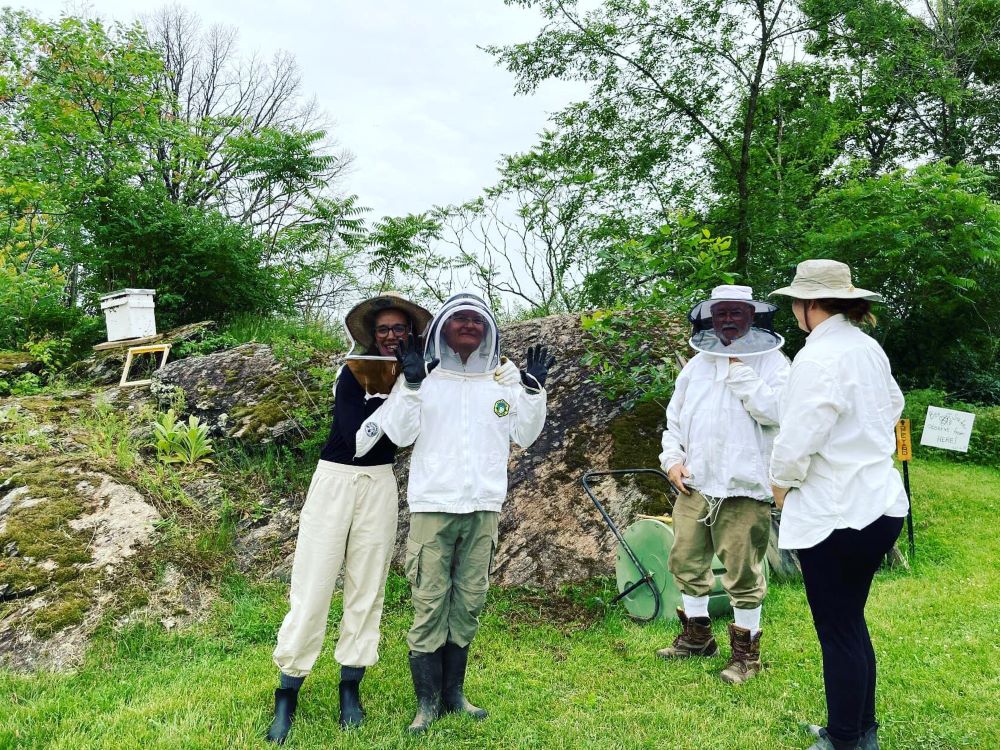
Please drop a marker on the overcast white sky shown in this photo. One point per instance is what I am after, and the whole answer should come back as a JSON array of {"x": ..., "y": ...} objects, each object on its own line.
[{"x": 425, "y": 113}]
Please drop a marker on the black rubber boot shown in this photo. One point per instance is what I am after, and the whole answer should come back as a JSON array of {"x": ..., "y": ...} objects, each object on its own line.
[
  {"x": 285, "y": 701},
  {"x": 351, "y": 712},
  {"x": 825, "y": 742},
  {"x": 426, "y": 672},
  {"x": 454, "y": 661}
]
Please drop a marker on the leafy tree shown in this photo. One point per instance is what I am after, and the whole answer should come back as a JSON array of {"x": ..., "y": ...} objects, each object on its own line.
[
  {"x": 406, "y": 253},
  {"x": 78, "y": 102},
  {"x": 202, "y": 265},
  {"x": 924, "y": 79},
  {"x": 94, "y": 136},
  {"x": 800, "y": 135},
  {"x": 929, "y": 242},
  {"x": 668, "y": 269},
  {"x": 325, "y": 256},
  {"x": 252, "y": 146},
  {"x": 669, "y": 80}
]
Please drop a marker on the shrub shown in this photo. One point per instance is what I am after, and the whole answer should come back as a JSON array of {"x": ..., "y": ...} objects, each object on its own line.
[
  {"x": 26, "y": 384},
  {"x": 632, "y": 355},
  {"x": 202, "y": 265},
  {"x": 278, "y": 330},
  {"x": 928, "y": 240},
  {"x": 207, "y": 342}
]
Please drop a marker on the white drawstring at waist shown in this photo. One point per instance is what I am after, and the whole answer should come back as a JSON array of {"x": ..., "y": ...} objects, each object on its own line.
[
  {"x": 358, "y": 475},
  {"x": 714, "y": 503}
]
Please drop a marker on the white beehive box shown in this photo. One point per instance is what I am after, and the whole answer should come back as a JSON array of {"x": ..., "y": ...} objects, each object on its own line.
[{"x": 129, "y": 314}]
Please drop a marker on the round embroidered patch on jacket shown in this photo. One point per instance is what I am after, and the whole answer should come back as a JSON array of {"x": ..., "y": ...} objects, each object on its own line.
[
  {"x": 501, "y": 408},
  {"x": 371, "y": 429}
]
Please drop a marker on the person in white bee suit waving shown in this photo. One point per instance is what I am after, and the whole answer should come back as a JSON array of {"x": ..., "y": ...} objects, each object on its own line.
[
  {"x": 461, "y": 416},
  {"x": 721, "y": 423}
]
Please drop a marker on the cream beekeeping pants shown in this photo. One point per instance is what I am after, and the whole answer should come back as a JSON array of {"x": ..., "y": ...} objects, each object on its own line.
[{"x": 349, "y": 519}]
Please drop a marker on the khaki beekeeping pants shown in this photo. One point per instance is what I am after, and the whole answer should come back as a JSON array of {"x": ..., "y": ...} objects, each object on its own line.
[
  {"x": 349, "y": 519},
  {"x": 738, "y": 534},
  {"x": 448, "y": 559}
]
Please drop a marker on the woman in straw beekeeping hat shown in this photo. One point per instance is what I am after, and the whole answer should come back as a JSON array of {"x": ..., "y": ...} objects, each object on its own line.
[
  {"x": 349, "y": 517},
  {"x": 832, "y": 474},
  {"x": 372, "y": 358}
]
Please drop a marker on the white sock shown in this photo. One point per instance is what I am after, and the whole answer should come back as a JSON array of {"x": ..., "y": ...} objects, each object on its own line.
[
  {"x": 748, "y": 619},
  {"x": 695, "y": 606}
]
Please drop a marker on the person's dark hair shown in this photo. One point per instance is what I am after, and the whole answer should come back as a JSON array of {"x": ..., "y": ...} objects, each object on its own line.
[{"x": 858, "y": 311}]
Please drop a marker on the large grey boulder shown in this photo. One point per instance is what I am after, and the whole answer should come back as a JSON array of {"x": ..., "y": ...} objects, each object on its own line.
[{"x": 244, "y": 393}]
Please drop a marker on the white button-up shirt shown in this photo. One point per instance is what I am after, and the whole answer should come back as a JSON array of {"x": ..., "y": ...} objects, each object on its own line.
[{"x": 837, "y": 437}]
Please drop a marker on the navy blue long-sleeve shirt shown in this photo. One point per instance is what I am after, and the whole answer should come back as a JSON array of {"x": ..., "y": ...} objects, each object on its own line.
[{"x": 350, "y": 409}]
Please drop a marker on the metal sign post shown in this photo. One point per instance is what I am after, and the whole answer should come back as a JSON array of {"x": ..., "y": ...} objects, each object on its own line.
[{"x": 904, "y": 452}]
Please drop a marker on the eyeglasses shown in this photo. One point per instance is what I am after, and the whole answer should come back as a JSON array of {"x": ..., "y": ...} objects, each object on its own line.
[
  {"x": 399, "y": 329},
  {"x": 475, "y": 320}
]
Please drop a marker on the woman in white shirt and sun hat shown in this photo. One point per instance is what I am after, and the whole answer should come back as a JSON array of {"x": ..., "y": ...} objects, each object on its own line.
[{"x": 832, "y": 474}]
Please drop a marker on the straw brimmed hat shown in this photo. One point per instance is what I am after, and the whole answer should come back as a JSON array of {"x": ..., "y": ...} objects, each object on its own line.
[
  {"x": 360, "y": 321},
  {"x": 824, "y": 279}
]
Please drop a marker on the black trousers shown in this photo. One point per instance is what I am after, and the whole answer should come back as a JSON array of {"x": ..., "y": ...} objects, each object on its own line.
[{"x": 838, "y": 575}]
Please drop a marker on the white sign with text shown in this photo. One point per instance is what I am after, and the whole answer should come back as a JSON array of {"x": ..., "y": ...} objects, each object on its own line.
[{"x": 947, "y": 428}]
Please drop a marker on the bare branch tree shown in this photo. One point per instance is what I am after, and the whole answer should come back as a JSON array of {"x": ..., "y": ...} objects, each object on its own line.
[{"x": 236, "y": 112}]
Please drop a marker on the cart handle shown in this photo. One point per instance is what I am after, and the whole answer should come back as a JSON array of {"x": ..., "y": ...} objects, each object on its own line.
[
  {"x": 615, "y": 472},
  {"x": 647, "y": 577}
]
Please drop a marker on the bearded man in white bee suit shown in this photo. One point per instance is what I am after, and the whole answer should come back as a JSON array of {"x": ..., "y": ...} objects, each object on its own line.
[
  {"x": 460, "y": 405},
  {"x": 721, "y": 422}
]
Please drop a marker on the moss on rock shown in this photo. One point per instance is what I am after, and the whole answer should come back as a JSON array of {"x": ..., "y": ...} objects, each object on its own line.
[
  {"x": 635, "y": 438},
  {"x": 37, "y": 527},
  {"x": 69, "y": 607}
]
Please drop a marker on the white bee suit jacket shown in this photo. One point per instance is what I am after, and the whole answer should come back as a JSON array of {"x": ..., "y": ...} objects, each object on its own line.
[
  {"x": 722, "y": 420},
  {"x": 460, "y": 424},
  {"x": 461, "y": 428}
]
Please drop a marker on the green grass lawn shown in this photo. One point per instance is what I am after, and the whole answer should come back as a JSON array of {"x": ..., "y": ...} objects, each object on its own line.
[{"x": 554, "y": 680}]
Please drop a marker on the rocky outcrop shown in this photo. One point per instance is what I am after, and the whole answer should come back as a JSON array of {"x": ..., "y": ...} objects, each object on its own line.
[
  {"x": 244, "y": 393},
  {"x": 78, "y": 538},
  {"x": 67, "y": 535},
  {"x": 104, "y": 366}
]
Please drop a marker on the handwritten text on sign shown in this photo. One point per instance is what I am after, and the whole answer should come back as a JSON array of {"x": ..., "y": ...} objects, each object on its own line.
[{"x": 947, "y": 428}]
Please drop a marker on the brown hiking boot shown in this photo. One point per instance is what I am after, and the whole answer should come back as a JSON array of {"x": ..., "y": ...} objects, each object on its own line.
[
  {"x": 745, "y": 661},
  {"x": 696, "y": 639}
]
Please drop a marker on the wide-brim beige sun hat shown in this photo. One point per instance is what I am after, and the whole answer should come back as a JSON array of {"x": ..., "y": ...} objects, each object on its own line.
[
  {"x": 360, "y": 321},
  {"x": 824, "y": 279}
]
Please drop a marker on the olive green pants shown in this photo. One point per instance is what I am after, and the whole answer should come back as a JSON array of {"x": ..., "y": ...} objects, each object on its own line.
[
  {"x": 738, "y": 534},
  {"x": 448, "y": 559}
]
